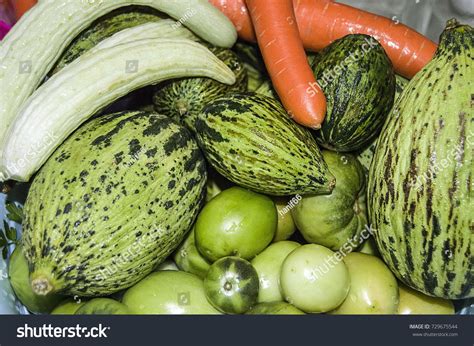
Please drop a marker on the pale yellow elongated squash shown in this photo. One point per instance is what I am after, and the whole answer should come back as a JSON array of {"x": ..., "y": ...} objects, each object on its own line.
[
  {"x": 32, "y": 47},
  {"x": 92, "y": 82}
]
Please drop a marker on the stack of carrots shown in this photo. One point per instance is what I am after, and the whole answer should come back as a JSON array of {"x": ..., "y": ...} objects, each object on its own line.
[{"x": 284, "y": 28}]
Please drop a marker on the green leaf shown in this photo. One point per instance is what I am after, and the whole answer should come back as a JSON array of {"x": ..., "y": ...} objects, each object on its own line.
[
  {"x": 15, "y": 213},
  {"x": 11, "y": 233},
  {"x": 5, "y": 252},
  {"x": 3, "y": 241}
]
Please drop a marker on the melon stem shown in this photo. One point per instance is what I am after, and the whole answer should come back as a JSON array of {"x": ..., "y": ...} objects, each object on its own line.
[{"x": 41, "y": 286}]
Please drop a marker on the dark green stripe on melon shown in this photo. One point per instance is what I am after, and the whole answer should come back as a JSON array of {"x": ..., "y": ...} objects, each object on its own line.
[
  {"x": 366, "y": 154},
  {"x": 183, "y": 99},
  {"x": 249, "y": 139},
  {"x": 111, "y": 203},
  {"x": 420, "y": 182},
  {"x": 358, "y": 80}
]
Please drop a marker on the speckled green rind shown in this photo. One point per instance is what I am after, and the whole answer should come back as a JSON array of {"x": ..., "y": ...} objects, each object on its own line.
[
  {"x": 112, "y": 202},
  {"x": 184, "y": 99},
  {"x": 420, "y": 182},
  {"x": 249, "y": 139},
  {"x": 104, "y": 27},
  {"x": 231, "y": 285},
  {"x": 358, "y": 80},
  {"x": 366, "y": 155}
]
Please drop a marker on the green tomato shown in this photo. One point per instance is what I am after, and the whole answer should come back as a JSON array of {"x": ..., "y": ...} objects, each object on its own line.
[
  {"x": 268, "y": 265},
  {"x": 275, "y": 308},
  {"x": 374, "y": 289},
  {"x": 231, "y": 285},
  {"x": 237, "y": 222},
  {"x": 189, "y": 259},
  {"x": 286, "y": 226},
  {"x": 68, "y": 307},
  {"x": 333, "y": 220},
  {"x": 170, "y": 293},
  {"x": 103, "y": 306},
  {"x": 314, "y": 278},
  {"x": 20, "y": 281},
  {"x": 416, "y": 303}
]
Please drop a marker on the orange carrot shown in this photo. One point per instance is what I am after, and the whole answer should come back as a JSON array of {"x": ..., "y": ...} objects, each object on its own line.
[
  {"x": 321, "y": 22},
  {"x": 22, "y": 6},
  {"x": 286, "y": 62}
]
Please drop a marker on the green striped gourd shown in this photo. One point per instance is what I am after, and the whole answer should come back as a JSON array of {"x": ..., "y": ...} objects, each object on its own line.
[
  {"x": 365, "y": 156},
  {"x": 112, "y": 202},
  {"x": 420, "y": 183},
  {"x": 358, "y": 80},
  {"x": 183, "y": 99},
  {"x": 250, "y": 140}
]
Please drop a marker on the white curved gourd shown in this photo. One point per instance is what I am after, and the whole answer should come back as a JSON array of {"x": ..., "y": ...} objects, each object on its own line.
[
  {"x": 32, "y": 47},
  {"x": 92, "y": 82}
]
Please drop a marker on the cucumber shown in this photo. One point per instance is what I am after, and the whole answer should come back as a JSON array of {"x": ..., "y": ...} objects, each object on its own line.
[
  {"x": 88, "y": 84},
  {"x": 31, "y": 48}
]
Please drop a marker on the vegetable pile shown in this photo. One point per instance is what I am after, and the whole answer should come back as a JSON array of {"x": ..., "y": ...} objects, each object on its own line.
[{"x": 174, "y": 169}]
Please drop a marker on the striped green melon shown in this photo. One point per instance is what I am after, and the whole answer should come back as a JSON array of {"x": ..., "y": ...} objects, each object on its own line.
[
  {"x": 104, "y": 27},
  {"x": 250, "y": 140},
  {"x": 183, "y": 99},
  {"x": 358, "y": 80},
  {"x": 420, "y": 183},
  {"x": 365, "y": 155},
  {"x": 112, "y": 202}
]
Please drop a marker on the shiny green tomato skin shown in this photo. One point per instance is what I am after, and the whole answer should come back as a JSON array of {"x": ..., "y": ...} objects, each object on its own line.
[
  {"x": 374, "y": 289},
  {"x": 314, "y": 279},
  {"x": 237, "y": 222},
  {"x": 232, "y": 285},
  {"x": 268, "y": 265}
]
